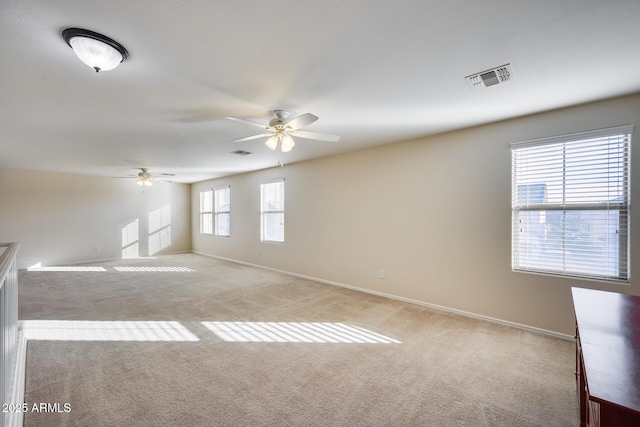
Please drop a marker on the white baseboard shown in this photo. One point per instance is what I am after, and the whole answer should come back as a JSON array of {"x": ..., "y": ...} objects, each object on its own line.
[{"x": 399, "y": 298}]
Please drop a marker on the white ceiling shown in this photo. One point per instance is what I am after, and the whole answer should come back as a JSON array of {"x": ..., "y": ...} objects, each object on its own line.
[{"x": 374, "y": 71}]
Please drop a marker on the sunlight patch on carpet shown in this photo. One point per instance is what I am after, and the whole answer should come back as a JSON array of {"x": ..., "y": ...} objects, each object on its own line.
[
  {"x": 89, "y": 330},
  {"x": 156, "y": 269},
  {"x": 40, "y": 267},
  {"x": 296, "y": 332}
]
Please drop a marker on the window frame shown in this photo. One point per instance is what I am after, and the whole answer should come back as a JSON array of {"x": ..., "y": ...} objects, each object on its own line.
[
  {"x": 266, "y": 213},
  {"x": 204, "y": 212},
  {"x": 523, "y": 263},
  {"x": 217, "y": 213}
]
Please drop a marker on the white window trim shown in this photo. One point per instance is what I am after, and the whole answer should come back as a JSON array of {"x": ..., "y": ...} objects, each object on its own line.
[
  {"x": 263, "y": 212},
  {"x": 625, "y": 206},
  {"x": 216, "y": 213},
  {"x": 204, "y": 211},
  {"x": 617, "y": 130}
]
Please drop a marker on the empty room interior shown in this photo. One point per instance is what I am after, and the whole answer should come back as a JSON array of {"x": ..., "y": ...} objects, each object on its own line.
[{"x": 294, "y": 213}]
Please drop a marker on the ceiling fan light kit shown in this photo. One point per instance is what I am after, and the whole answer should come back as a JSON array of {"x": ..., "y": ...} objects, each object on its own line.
[
  {"x": 281, "y": 131},
  {"x": 272, "y": 142},
  {"x": 96, "y": 50},
  {"x": 144, "y": 178},
  {"x": 286, "y": 143},
  {"x": 146, "y": 181}
]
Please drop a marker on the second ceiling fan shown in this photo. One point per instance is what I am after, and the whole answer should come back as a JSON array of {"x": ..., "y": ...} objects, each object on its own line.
[
  {"x": 280, "y": 130},
  {"x": 146, "y": 179}
]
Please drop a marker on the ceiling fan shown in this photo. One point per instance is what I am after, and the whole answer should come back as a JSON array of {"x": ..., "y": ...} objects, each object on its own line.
[
  {"x": 280, "y": 130},
  {"x": 146, "y": 179}
]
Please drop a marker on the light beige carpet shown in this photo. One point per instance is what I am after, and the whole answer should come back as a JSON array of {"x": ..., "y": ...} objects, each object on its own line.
[{"x": 185, "y": 340}]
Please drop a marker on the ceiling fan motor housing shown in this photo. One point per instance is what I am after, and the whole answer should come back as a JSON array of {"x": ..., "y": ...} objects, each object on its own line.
[{"x": 281, "y": 116}]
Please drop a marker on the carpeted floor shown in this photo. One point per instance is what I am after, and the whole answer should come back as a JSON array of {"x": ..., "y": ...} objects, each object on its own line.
[{"x": 186, "y": 340}]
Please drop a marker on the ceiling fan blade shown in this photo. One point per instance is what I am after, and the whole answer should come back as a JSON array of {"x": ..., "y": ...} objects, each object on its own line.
[
  {"x": 249, "y": 138},
  {"x": 301, "y": 121},
  {"x": 248, "y": 122},
  {"x": 314, "y": 135}
]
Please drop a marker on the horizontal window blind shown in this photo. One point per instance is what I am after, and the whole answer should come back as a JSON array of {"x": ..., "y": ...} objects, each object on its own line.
[
  {"x": 206, "y": 212},
  {"x": 272, "y": 211},
  {"x": 570, "y": 204},
  {"x": 222, "y": 211}
]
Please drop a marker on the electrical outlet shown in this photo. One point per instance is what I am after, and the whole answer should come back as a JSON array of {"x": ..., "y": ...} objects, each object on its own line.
[
  {"x": 98, "y": 249},
  {"x": 258, "y": 252},
  {"x": 381, "y": 274}
]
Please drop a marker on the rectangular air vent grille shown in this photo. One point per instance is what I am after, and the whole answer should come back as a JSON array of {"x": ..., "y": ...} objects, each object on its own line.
[{"x": 492, "y": 77}]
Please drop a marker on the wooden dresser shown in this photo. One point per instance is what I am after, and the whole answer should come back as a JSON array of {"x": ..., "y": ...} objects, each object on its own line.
[{"x": 607, "y": 357}]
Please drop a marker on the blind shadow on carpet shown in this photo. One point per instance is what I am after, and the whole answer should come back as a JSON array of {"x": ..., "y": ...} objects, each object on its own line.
[{"x": 186, "y": 340}]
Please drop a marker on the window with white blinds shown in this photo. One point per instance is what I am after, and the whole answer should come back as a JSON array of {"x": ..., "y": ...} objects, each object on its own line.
[
  {"x": 206, "y": 212},
  {"x": 570, "y": 204},
  {"x": 222, "y": 211},
  {"x": 272, "y": 211}
]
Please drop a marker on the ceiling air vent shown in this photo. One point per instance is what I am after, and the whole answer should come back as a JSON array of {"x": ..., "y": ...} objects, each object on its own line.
[
  {"x": 241, "y": 152},
  {"x": 491, "y": 77}
]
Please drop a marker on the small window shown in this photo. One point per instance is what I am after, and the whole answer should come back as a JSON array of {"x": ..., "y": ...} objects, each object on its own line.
[
  {"x": 570, "y": 204},
  {"x": 222, "y": 211},
  {"x": 206, "y": 212},
  {"x": 272, "y": 211}
]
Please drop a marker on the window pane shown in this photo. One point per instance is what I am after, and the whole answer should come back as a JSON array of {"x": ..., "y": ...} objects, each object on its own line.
[
  {"x": 578, "y": 242},
  {"x": 206, "y": 212},
  {"x": 273, "y": 196},
  {"x": 272, "y": 211},
  {"x": 594, "y": 172},
  {"x": 222, "y": 208},
  {"x": 206, "y": 223},
  {"x": 273, "y": 227},
  {"x": 223, "y": 225},
  {"x": 206, "y": 201},
  {"x": 575, "y": 172},
  {"x": 222, "y": 200}
]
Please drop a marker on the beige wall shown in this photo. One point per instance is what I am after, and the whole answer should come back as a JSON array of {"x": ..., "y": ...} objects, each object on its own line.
[
  {"x": 61, "y": 218},
  {"x": 433, "y": 213}
]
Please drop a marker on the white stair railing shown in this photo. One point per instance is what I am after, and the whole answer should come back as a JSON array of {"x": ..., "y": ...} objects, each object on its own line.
[{"x": 9, "y": 335}]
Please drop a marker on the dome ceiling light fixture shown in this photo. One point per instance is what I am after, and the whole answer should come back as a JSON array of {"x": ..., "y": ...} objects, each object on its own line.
[{"x": 96, "y": 50}]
